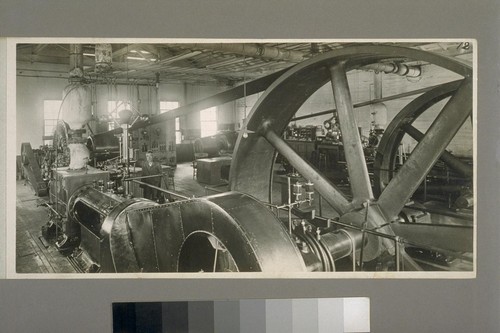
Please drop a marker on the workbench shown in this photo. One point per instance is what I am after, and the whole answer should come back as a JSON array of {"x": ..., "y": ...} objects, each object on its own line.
[{"x": 213, "y": 171}]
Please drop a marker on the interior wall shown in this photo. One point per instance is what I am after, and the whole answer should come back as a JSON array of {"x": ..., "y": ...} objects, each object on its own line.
[
  {"x": 243, "y": 107},
  {"x": 322, "y": 100},
  {"x": 361, "y": 84},
  {"x": 194, "y": 93},
  {"x": 32, "y": 91}
]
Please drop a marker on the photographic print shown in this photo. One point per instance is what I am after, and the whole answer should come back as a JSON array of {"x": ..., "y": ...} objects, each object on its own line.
[{"x": 244, "y": 158}]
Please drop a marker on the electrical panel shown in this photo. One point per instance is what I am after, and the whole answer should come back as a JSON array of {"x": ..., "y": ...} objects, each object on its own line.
[{"x": 158, "y": 138}]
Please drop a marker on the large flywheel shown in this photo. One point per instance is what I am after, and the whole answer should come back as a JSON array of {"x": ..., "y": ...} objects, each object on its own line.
[
  {"x": 229, "y": 232},
  {"x": 387, "y": 152},
  {"x": 261, "y": 139}
]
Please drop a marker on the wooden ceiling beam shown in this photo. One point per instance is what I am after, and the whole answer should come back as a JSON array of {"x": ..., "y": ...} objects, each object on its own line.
[{"x": 39, "y": 48}]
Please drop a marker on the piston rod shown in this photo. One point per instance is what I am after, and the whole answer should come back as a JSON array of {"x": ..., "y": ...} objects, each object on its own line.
[{"x": 162, "y": 190}]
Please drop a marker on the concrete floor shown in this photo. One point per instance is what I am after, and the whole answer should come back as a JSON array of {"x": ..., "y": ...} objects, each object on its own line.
[{"x": 33, "y": 253}]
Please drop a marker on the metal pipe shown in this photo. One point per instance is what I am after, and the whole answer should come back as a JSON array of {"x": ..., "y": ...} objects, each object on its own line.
[
  {"x": 143, "y": 177},
  {"x": 75, "y": 60},
  {"x": 162, "y": 190},
  {"x": 46, "y": 204},
  {"x": 354, "y": 247},
  {"x": 377, "y": 86},
  {"x": 341, "y": 244},
  {"x": 401, "y": 240},
  {"x": 354, "y": 227},
  {"x": 289, "y": 190},
  {"x": 125, "y": 155},
  {"x": 394, "y": 68},
  {"x": 208, "y": 188},
  {"x": 253, "y": 50},
  {"x": 396, "y": 246},
  {"x": 124, "y": 147}
]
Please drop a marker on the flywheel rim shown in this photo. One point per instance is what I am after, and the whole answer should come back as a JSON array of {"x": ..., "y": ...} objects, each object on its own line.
[{"x": 258, "y": 141}]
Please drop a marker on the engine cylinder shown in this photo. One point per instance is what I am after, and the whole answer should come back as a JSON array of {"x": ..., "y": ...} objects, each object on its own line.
[{"x": 96, "y": 211}]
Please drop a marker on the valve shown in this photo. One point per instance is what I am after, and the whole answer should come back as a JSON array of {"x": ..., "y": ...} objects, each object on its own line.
[
  {"x": 297, "y": 190},
  {"x": 309, "y": 187},
  {"x": 100, "y": 185},
  {"x": 110, "y": 186}
]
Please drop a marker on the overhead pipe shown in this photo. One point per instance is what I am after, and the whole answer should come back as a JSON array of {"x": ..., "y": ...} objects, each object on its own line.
[
  {"x": 75, "y": 61},
  {"x": 103, "y": 57},
  {"x": 395, "y": 68},
  {"x": 252, "y": 50}
]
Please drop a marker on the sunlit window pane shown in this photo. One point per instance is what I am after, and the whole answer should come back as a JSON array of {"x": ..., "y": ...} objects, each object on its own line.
[
  {"x": 208, "y": 121},
  {"x": 168, "y": 105},
  {"x": 50, "y": 116}
]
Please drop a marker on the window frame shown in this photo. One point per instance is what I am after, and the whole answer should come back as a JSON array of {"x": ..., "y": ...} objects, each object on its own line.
[
  {"x": 168, "y": 107},
  {"x": 208, "y": 122},
  {"x": 112, "y": 106},
  {"x": 178, "y": 132},
  {"x": 51, "y": 115}
]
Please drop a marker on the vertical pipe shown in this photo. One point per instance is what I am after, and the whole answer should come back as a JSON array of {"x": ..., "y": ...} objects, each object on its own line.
[
  {"x": 361, "y": 252},
  {"x": 289, "y": 205},
  {"x": 157, "y": 106},
  {"x": 377, "y": 85},
  {"x": 396, "y": 246},
  {"x": 75, "y": 57},
  {"x": 425, "y": 188},
  {"x": 124, "y": 145}
]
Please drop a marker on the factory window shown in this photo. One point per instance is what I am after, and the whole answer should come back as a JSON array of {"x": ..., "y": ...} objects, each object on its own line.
[
  {"x": 50, "y": 117},
  {"x": 178, "y": 133},
  {"x": 208, "y": 121},
  {"x": 113, "y": 108},
  {"x": 168, "y": 105}
]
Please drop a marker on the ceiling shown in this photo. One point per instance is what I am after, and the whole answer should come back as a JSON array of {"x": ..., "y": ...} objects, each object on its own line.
[{"x": 194, "y": 63}]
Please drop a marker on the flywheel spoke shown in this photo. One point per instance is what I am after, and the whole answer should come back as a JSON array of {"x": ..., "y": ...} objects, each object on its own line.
[
  {"x": 448, "y": 158},
  {"x": 353, "y": 149},
  {"x": 428, "y": 151},
  {"x": 326, "y": 189}
]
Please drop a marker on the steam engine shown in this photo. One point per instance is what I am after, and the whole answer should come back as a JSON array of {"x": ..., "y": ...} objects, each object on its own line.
[{"x": 104, "y": 229}]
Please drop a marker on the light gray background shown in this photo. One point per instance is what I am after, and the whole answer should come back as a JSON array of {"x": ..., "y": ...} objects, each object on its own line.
[{"x": 396, "y": 305}]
